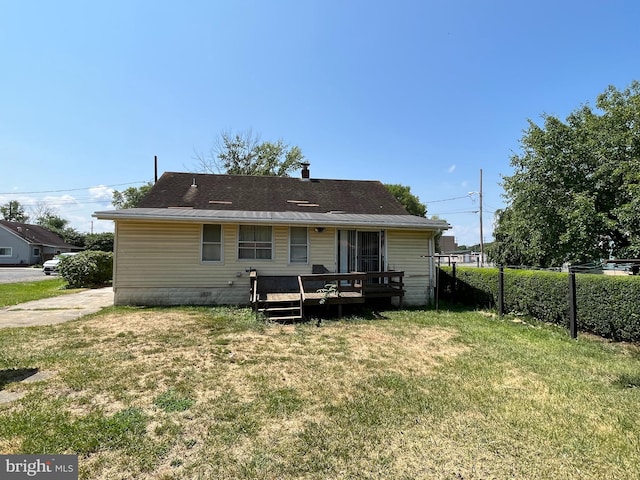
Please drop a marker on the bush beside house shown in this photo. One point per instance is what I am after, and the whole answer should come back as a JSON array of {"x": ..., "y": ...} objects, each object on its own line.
[
  {"x": 87, "y": 269},
  {"x": 607, "y": 306}
]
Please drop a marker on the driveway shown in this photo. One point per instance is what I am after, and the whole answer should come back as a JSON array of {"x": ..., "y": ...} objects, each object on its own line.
[
  {"x": 50, "y": 311},
  {"x": 21, "y": 274}
]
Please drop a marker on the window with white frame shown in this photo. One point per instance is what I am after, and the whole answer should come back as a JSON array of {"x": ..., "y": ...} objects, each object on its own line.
[
  {"x": 211, "y": 243},
  {"x": 298, "y": 245},
  {"x": 255, "y": 242},
  {"x": 5, "y": 251}
]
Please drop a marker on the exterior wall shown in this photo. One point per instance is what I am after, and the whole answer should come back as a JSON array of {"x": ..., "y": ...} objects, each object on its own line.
[
  {"x": 20, "y": 250},
  {"x": 448, "y": 243},
  {"x": 23, "y": 253},
  {"x": 158, "y": 263},
  {"x": 409, "y": 252}
]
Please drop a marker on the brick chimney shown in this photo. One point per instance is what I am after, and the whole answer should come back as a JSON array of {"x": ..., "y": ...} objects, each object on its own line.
[{"x": 305, "y": 170}]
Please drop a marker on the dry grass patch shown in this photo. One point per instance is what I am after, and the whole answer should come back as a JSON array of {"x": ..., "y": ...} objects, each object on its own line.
[{"x": 214, "y": 393}]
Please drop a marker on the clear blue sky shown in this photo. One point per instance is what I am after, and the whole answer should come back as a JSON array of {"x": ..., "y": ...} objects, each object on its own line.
[{"x": 421, "y": 93}]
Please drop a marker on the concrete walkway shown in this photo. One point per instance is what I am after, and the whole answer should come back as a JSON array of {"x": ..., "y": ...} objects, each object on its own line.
[{"x": 50, "y": 311}]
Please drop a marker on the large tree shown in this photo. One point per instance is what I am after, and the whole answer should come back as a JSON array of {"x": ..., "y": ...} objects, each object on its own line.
[
  {"x": 411, "y": 202},
  {"x": 244, "y": 154},
  {"x": 60, "y": 226},
  {"x": 130, "y": 197},
  {"x": 574, "y": 195},
  {"x": 52, "y": 222},
  {"x": 13, "y": 211}
]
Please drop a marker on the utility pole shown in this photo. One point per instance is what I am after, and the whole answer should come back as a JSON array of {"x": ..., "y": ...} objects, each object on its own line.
[{"x": 481, "y": 234}]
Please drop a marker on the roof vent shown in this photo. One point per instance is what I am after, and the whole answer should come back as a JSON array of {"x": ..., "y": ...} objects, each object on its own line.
[
  {"x": 194, "y": 184},
  {"x": 305, "y": 170}
]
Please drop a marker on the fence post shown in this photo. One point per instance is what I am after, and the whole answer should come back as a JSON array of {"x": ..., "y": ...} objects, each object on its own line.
[
  {"x": 437, "y": 286},
  {"x": 573, "y": 317},
  {"x": 501, "y": 291},
  {"x": 454, "y": 285}
]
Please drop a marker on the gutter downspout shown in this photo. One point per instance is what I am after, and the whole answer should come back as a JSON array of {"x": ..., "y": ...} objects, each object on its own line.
[{"x": 432, "y": 270}]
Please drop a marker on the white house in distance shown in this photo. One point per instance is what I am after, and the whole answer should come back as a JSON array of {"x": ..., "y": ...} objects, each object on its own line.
[{"x": 196, "y": 238}]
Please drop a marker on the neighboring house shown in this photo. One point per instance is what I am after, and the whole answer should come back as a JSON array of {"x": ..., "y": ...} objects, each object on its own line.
[
  {"x": 195, "y": 238},
  {"x": 25, "y": 244},
  {"x": 447, "y": 243},
  {"x": 460, "y": 257}
]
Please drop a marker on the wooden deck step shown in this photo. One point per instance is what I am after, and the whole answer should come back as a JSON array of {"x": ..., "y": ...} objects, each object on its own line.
[
  {"x": 286, "y": 319},
  {"x": 279, "y": 309},
  {"x": 282, "y": 309}
]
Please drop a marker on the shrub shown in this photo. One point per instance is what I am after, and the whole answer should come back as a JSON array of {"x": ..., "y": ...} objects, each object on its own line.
[
  {"x": 474, "y": 287},
  {"x": 87, "y": 269},
  {"x": 606, "y": 306}
]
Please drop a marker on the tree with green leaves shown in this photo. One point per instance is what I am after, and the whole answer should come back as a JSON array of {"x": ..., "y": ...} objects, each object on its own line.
[
  {"x": 52, "y": 222},
  {"x": 102, "y": 242},
  {"x": 244, "y": 154},
  {"x": 411, "y": 202},
  {"x": 13, "y": 211},
  {"x": 130, "y": 197},
  {"x": 574, "y": 195},
  {"x": 60, "y": 226}
]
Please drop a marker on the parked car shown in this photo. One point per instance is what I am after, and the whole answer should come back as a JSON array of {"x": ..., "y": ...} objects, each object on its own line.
[{"x": 51, "y": 266}]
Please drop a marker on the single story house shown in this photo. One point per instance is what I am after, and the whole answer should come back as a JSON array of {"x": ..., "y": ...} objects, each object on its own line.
[
  {"x": 198, "y": 238},
  {"x": 460, "y": 257},
  {"x": 25, "y": 244}
]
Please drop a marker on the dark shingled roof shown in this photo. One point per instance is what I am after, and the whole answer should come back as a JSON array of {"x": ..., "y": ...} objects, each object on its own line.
[
  {"x": 271, "y": 194},
  {"x": 35, "y": 234}
]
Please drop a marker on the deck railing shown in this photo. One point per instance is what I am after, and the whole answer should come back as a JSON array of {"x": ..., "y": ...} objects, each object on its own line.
[
  {"x": 331, "y": 285},
  {"x": 331, "y": 288}
]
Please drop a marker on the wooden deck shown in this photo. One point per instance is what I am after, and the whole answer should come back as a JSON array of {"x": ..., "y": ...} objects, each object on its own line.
[{"x": 285, "y": 297}]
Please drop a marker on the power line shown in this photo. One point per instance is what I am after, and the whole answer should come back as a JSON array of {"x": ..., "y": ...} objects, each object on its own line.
[
  {"x": 454, "y": 212},
  {"x": 74, "y": 203},
  {"x": 448, "y": 199},
  {"x": 71, "y": 189}
]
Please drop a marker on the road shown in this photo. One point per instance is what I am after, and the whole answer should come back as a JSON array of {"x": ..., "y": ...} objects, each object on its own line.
[{"x": 21, "y": 274}]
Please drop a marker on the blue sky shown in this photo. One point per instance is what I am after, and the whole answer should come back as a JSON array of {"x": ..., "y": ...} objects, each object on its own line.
[{"x": 421, "y": 93}]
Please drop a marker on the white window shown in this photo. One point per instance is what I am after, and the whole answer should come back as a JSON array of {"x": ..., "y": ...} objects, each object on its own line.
[
  {"x": 211, "y": 243},
  {"x": 5, "y": 252},
  {"x": 36, "y": 252},
  {"x": 255, "y": 242},
  {"x": 298, "y": 245}
]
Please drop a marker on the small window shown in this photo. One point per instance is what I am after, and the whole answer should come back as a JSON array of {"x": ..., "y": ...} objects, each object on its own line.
[
  {"x": 298, "y": 245},
  {"x": 212, "y": 243},
  {"x": 36, "y": 252},
  {"x": 5, "y": 251},
  {"x": 255, "y": 242}
]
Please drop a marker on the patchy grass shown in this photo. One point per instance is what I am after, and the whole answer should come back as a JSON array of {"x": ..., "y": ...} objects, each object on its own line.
[
  {"x": 213, "y": 393},
  {"x": 15, "y": 293}
]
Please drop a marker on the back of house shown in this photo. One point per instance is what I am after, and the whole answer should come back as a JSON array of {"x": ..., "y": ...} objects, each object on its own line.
[{"x": 195, "y": 238}]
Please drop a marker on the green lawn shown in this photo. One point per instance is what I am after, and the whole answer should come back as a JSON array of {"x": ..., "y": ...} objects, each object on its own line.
[
  {"x": 212, "y": 393},
  {"x": 14, "y": 293}
]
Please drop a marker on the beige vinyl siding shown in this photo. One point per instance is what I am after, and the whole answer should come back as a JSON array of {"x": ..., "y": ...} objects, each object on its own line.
[
  {"x": 160, "y": 263},
  {"x": 322, "y": 248},
  {"x": 408, "y": 251},
  {"x": 321, "y": 251}
]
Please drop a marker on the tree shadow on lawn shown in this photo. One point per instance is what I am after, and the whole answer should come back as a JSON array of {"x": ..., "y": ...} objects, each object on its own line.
[{"x": 13, "y": 375}]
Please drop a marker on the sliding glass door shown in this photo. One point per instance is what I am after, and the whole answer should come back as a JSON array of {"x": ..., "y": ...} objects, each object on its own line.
[{"x": 360, "y": 251}]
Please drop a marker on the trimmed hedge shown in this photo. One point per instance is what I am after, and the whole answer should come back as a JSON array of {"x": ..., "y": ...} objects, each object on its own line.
[
  {"x": 607, "y": 305},
  {"x": 87, "y": 269}
]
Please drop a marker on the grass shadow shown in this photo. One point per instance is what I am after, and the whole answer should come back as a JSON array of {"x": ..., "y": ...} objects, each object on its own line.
[{"x": 13, "y": 375}]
